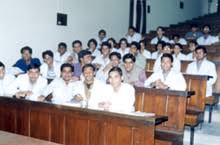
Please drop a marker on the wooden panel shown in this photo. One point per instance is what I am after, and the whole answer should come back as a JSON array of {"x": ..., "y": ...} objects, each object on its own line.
[{"x": 23, "y": 125}]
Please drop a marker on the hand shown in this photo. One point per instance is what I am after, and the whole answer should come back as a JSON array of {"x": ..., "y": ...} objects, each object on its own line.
[
  {"x": 28, "y": 93},
  {"x": 41, "y": 98},
  {"x": 105, "y": 105},
  {"x": 78, "y": 97},
  {"x": 20, "y": 94}
]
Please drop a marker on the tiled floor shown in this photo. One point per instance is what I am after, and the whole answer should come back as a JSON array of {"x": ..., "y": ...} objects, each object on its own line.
[{"x": 209, "y": 134}]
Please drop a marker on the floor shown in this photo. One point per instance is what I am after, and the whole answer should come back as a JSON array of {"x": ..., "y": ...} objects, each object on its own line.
[{"x": 209, "y": 134}]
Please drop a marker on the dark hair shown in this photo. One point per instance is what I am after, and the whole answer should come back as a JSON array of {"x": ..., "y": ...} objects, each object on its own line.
[
  {"x": 176, "y": 35},
  {"x": 129, "y": 56},
  {"x": 193, "y": 41},
  {"x": 160, "y": 27},
  {"x": 83, "y": 53},
  {"x": 136, "y": 44},
  {"x": 167, "y": 44},
  {"x": 102, "y": 31},
  {"x": 75, "y": 42},
  {"x": 123, "y": 39},
  {"x": 160, "y": 42},
  {"x": 26, "y": 48},
  {"x": 194, "y": 26},
  {"x": 113, "y": 40},
  {"x": 33, "y": 66},
  {"x": 144, "y": 42},
  {"x": 167, "y": 55},
  {"x": 66, "y": 65},
  {"x": 179, "y": 45},
  {"x": 133, "y": 28},
  {"x": 87, "y": 66},
  {"x": 47, "y": 52},
  {"x": 117, "y": 69},
  {"x": 105, "y": 44},
  {"x": 62, "y": 44},
  {"x": 92, "y": 41},
  {"x": 206, "y": 25},
  {"x": 201, "y": 48},
  {"x": 2, "y": 64},
  {"x": 118, "y": 55}
]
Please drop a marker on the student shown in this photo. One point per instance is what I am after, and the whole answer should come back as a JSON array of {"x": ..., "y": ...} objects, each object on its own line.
[
  {"x": 113, "y": 44},
  {"x": 61, "y": 56},
  {"x": 176, "y": 39},
  {"x": 202, "y": 66},
  {"x": 92, "y": 47},
  {"x": 123, "y": 47},
  {"x": 102, "y": 37},
  {"x": 133, "y": 35},
  {"x": 194, "y": 33},
  {"x": 26, "y": 59},
  {"x": 63, "y": 88},
  {"x": 50, "y": 69},
  {"x": 206, "y": 39},
  {"x": 192, "y": 46},
  {"x": 166, "y": 78},
  {"x": 121, "y": 95},
  {"x": 5, "y": 80},
  {"x": 177, "y": 54},
  {"x": 159, "y": 47},
  {"x": 102, "y": 73},
  {"x": 160, "y": 36},
  {"x": 143, "y": 50},
  {"x": 76, "y": 47},
  {"x": 29, "y": 85}
]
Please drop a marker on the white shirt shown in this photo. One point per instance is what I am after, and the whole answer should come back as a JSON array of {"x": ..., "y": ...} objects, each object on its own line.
[
  {"x": 22, "y": 83},
  {"x": 208, "y": 41},
  {"x": 155, "y": 55},
  {"x": 123, "y": 100},
  {"x": 56, "y": 68},
  {"x": 155, "y": 40},
  {"x": 5, "y": 83},
  {"x": 146, "y": 54},
  {"x": 95, "y": 53},
  {"x": 180, "y": 56},
  {"x": 174, "y": 80},
  {"x": 181, "y": 41},
  {"x": 61, "y": 58},
  {"x": 136, "y": 38},
  {"x": 126, "y": 51},
  {"x": 61, "y": 91},
  {"x": 101, "y": 61},
  {"x": 207, "y": 68},
  {"x": 190, "y": 56},
  {"x": 99, "y": 42}
]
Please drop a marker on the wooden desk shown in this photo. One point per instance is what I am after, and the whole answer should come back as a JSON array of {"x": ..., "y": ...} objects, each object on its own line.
[
  {"x": 74, "y": 126},
  {"x": 7, "y": 138}
]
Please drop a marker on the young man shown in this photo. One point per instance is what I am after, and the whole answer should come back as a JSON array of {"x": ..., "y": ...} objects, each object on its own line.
[
  {"x": 194, "y": 34},
  {"x": 133, "y": 35},
  {"x": 61, "y": 56},
  {"x": 206, "y": 39},
  {"x": 26, "y": 59},
  {"x": 160, "y": 36},
  {"x": 102, "y": 37},
  {"x": 5, "y": 80},
  {"x": 92, "y": 47},
  {"x": 29, "y": 85},
  {"x": 76, "y": 47},
  {"x": 166, "y": 78},
  {"x": 62, "y": 89},
  {"x": 201, "y": 66}
]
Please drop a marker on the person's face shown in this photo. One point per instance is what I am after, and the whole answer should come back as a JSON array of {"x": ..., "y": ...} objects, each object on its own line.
[
  {"x": 159, "y": 47},
  {"x": 115, "y": 79},
  {"x": 166, "y": 49},
  {"x": 33, "y": 75},
  {"x": 131, "y": 32},
  {"x": 48, "y": 59},
  {"x": 92, "y": 45},
  {"x": 77, "y": 48},
  {"x": 166, "y": 64},
  {"x": 101, "y": 36},
  {"x": 129, "y": 65},
  {"x": 133, "y": 50},
  {"x": 26, "y": 55},
  {"x": 206, "y": 30},
  {"x": 66, "y": 74},
  {"x": 88, "y": 74},
  {"x": 200, "y": 55},
  {"x": 87, "y": 59},
  {"x": 160, "y": 32},
  {"x": 61, "y": 50},
  {"x": 105, "y": 50},
  {"x": 2, "y": 72},
  {"x": 115, "y": 61},
  {"x": 142, "y": 46},
  {"x": 123, "y": 45},
  {"x": 176, "y": 39},
  {"x": 192, "y": 46},
  {"x": 176, "y": 49}
]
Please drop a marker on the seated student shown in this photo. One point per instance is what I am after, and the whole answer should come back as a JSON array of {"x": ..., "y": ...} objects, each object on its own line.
[
  {"x": 26, "y": 59},
  {"x": 135, "y": 50},
  {"x": 176, "y": 39},
  {"x": 5, "y": 80},
  {"x": 206, "y": 39},
  {"x": 133, "y": 35},
  {"x": 29, "y": 85},
  {"x": 177, "y": 54},
  {"x": 50, "y": 69},
  {"x": 61, "y": 56},
  {"x": 121, "y": 95},
  {"x": 76, "y": 47},
  {"x": 113, "y": 44},
  {"x": 194, "y": 33},
  {"x": 201, "y": 66},
  {"x": 102, "y": 73},
  {"x": 192, "y": 46},
  {"x": 102, "y": 37},
  {"x": 166, "y": 78},
  {"x": 90, "y": 91},
  {"x": 92, "y": 47},
  {"x": 160, "y": 36},
  {"x": 123, "y": 47},
  {"x": 159, "y": 47},
  {"x": 62, "y": 89},
  {"x": 143, "y": 49},
  {"x": 176, "y": 62},
  {"x": 85, "y": 57},
  {"x": 132, "y": 73},
  {"x": 103, "y": 60}
]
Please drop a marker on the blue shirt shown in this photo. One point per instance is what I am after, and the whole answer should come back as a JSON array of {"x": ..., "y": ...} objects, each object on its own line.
[{"x": 23, "y": 66}]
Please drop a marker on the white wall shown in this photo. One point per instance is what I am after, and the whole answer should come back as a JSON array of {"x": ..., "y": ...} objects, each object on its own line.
[
  {"x": 33, "y": 23},
  {"x": 213, "y": 7}
]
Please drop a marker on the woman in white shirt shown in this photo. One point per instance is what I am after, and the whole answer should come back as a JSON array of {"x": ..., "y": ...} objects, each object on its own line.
[
  {"x": 143, "y": 50},
  {"x": 123, "y": 47},
  {"x": 177, "y": 54}
]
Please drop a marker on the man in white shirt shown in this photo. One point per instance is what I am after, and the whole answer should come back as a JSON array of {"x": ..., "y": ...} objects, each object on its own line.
[
  {"x": 206, "y": 39},
  {"x": 178, "y": 39},
  {"x": 101, "y": 37},
  {"x": 62, "y": 89},
  {"x": 62, "y": 55},
  {"x": 132, "y": 35},
  {"x": 92, "y": 47},
  {"x": 76, "y": 47},
  {"x": 29, "y": 85},
  {"x": 160, "y": 36},
  {"x": 5, "y": 80},
  {"x": 202, "y": 66},
  {"x": 166, "y": 78}
]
